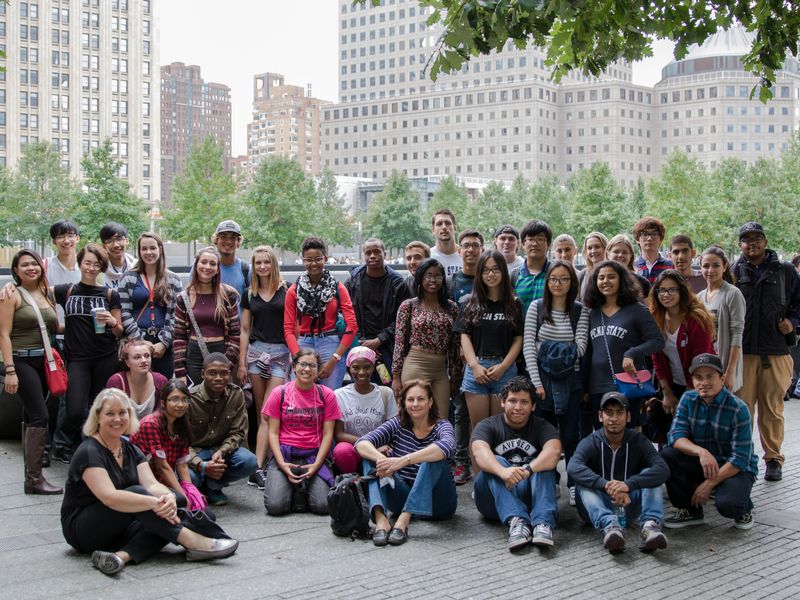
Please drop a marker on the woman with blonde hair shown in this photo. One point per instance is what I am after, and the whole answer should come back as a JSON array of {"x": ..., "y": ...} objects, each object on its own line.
[
  {"x": 620, "y": 249},
  {"x": 593, "y": 251}
]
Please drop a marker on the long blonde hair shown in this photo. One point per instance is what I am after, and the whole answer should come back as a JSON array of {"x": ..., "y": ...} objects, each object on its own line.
[{"x": 275, "y": 278}]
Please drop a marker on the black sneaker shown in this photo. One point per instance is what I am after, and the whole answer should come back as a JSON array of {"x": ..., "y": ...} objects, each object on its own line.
[
  {"x": 519, "y": 533},
  {"x": 63, "y": 455},
  {"x": 745, "y": 521},
  {"x": 774, "y": 471},
  {"x": 257, "y": 479},
  {"x": 683, "y": 517}
]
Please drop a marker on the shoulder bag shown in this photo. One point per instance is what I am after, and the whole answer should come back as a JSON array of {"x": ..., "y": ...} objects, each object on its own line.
[
  {"x": 55, "y": 372},
  {"x": 201, "y": 342},
  {"x": 630, "y": 386}
]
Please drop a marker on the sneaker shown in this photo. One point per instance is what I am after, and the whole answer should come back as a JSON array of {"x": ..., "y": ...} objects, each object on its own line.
[
  {"x": 745, "y": 521},
  {"x": 63, "y": 455},
  {"x": 652, "y": 537},
  {"x": 519, "y": 533},
  {"x": 613, "y": 539},
  {"x": 462, "y": 474},
  {"x": 216, "y": 497},
  {"x": 257, "y": 479},
  {"x": 774, "y": 471},
  {"x": 683, "y": 517},
  {"x": 542, "y": 535},
  {"x": 572, "y": 501},
  {"x": 107, "y": 562}
]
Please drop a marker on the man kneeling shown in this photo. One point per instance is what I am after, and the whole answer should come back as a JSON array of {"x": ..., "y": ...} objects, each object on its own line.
[
  {"x": 617, "y": 472},
  {"x": 517, "y": 454}
]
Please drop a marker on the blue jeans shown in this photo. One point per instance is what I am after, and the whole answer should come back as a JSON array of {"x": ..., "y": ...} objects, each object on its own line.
[
  {"x": 595, "y": 507},
  {"x": 470, "y": 385},
  {"x": 432, "y": 496},
  {"x": 325, "y": 347},
  {"x": 241, "y": 463},
  {"x": 533, "y": 498}
]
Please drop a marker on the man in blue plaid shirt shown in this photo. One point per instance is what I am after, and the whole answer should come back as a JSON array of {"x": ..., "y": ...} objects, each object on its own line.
[{"x": 710, "y": 450}]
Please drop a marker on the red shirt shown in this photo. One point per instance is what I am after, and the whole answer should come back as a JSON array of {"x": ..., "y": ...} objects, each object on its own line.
[
  {"x": 154, "y": 442},
  {"x": 692, "y": 340},
  {"x": 292, "y": 330}
]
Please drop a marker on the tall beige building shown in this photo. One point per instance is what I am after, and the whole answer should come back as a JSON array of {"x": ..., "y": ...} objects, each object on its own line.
[
  {"x": 78, "y": 72},
  {"x": 286, "y": 122}
]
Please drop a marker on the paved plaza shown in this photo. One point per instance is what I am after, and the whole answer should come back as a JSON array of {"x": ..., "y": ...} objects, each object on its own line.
[{"x": 298, "y": 557}]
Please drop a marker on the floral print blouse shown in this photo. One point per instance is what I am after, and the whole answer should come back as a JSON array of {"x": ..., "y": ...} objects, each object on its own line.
[{"x": 432, "y": 330}]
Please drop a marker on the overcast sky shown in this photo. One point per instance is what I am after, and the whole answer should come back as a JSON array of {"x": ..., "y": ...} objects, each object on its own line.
[{"x": 233, "y": 40}]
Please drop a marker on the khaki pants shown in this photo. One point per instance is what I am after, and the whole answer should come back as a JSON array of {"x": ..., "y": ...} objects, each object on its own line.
[
  {"x": 763, "y": 391},
  {"x": 433, "y": 367}
]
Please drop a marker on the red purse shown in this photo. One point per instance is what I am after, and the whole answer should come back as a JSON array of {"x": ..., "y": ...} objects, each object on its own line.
[{"x": 55, "y": 373}]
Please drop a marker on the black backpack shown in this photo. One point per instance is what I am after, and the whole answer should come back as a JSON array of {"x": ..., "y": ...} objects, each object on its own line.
[{"x": 348, "y": 506}]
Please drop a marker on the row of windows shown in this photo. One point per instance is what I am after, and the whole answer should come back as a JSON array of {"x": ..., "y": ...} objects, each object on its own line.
[
  {"x": 605, "y": 94},
  {"x": 731, "y": 91}
]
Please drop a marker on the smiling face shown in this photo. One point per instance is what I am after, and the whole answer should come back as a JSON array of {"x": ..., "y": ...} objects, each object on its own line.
[
  {"x": 517, "y": 407},
  {"x": 712, "y": 267},
  {"x": 176, "y": 405},
  {"x": 262, "y": 264},
  {"x": 314, "y": 262},
  {"x": 227, "y": 243},
  {"x": 608, "y": 282},
  {"x": 491, "y": 274},
  {"x": 432, "y": 280},
  {"x": 149, "y": 251},
  {"x": 418, "y": 403},
  {"x": 361, "y": 370},
  {"x": 113, "y": 419},
  {"x": 668, "y": 293},
  {"x": 28, "y": 271},
  {"x": 207, "y": 267},
  {"x": 595, "y": 250},
  {"x": 507, "y": 244},
  {"x": 753, "y": 247},
  {"x": 66, "y": 243},
  {"x": 116, "y": 247},
  {"x": 620, "y": 253},
  {"x": 414, "y": 257},
  {"x": 90, "y": 268},
  {"x": 306, "y": 369},
  {"x": 470, "y": 248},
  {"x": 216, "y": 376},
  {"x": 707, "y": 382}
]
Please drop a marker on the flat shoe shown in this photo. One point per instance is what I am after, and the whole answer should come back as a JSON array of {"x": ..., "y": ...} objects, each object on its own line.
[
  {"x": 219, "y": 549},
  {"x": 380, "y": 537},
  {"x": 398, "y": 536},
  {"x": 107, "y": 562}
]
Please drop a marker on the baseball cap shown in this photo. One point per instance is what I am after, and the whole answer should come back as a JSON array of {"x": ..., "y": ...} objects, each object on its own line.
[
  {"x": 614, "y": 397},
  {"x": 506, "y": 229},
  {"x": 751, "y": 227},
  {"x": 228, "y": 226},
  {"x": 706, "y": 360}
]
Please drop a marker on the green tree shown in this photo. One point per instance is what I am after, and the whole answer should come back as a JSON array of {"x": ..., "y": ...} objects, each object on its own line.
[
  {"x": 766, "y": 198},
  {"x": 725, "y": 184},
  {"x": 550, "y": 202},
  {"x": 450, "y": 195},
  {"x": 333, "y": 222},
  {"x": 597, "y": 203},
  {"x": 106, "y": 197},
  {"x": 491, "y": 209},
  {"x": 394, "y": 214},
  {"x": 637, "y": 200}
]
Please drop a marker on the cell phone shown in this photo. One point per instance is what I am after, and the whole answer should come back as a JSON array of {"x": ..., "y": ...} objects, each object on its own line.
[{"x": 298, "y": 471}]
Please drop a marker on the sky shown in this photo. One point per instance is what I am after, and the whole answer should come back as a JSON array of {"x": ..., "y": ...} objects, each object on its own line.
[{"x": 234, "y": 40}]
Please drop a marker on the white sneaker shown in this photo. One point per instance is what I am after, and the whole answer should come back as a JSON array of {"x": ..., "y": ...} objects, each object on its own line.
[
  {"x": 542, "y": 535},
  {"x": 572, "y": 501},
  {"x": 519, "y": 533}
]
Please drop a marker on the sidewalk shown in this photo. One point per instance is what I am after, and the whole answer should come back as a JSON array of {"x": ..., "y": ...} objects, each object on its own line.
[{"x": 298, "y": 556}]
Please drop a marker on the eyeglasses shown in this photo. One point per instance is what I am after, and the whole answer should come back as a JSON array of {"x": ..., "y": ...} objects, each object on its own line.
[
  {"x": 434, "y": 278},
  {"x": 180, "y": 400},
  {"x": 537, "y": 241},
  {"x": 649, "y": 235},
  {"x": 668, "y": 291},
  {"x": 116, "y": 239},
  {"x": 301, "y": 366},
  {"x": 91, "y": 266},
  {"x": 471, "y": 246},
  {"x": 559, "y": 280},
  {"x": 492, "y": 270},
  {"x": 65, "y": 236},
  {"x": 312, "y": 261}
]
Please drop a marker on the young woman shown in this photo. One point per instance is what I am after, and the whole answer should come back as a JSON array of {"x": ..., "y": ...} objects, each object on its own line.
[
  {"x": 110, "y": 482},
  {"x": 552, "y": 324},
  {"x": 424, "y": 344},
  {"x": 620, "y": 249},
  {"x": 139, "y": 383},
  {"x": 215, "y": 309},
  {"x": 688, "y": 330},
  {"x": 727, "y": 306},
  {"x": 163, "y": 437},
  {"x": 490, "y": 327},
  {"x": 311, "y": 312},
  {"x": 302, "y": 415},
  {"x": 593, "y": 251},
  {"x": 622, "y": 333},
  {"x": 421, "y": 445},
  {"x": 148, "y": 294},
  {"x": 364, "y": 406},
  {"x": 23, "y": 353},
  {"x": 263, "y": 305}
]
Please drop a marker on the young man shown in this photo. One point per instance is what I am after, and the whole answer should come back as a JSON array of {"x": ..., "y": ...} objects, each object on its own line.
[
  {"x": 415, "y": 253},
  {"x": 565, "y": 248},
  {"x": 649, "y": 233},
  {"x": 506, "y": 240},
  {"x": 528, "y": 279},
  {"x": 115, "y": 240},
  {"x": 618, "y": 467},
  {"x": 681, "y": 251},
  {"x": 517, "y": 453},
  {"x": 771, "y": 290},
  {"x": 710, "y": 450},
  {"x": 218, "y": 431},
  {"x": 443, "y": 224},
  {"x": 376, "y": 291},
  {"x": 233, "y": 271}
]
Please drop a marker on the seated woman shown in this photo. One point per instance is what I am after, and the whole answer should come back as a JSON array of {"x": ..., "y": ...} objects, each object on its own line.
[
  {"x": 110, "y": 483},
  {"x": 421, "y": 484},
  {"x": 364, "y": 406},
  {"x": 302, "y": 415},
  {"x": 163, "y": 436},
  {"x": 139, "y": 383}
]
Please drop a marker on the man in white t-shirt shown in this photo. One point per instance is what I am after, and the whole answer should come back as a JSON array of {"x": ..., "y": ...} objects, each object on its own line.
[
  {"x": 443, "y": 225},
  {"x": 115, "y": 241},
  {"x": 506, "y": 240}
]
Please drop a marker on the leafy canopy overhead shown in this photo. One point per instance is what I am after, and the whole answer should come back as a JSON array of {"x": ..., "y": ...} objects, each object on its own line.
[{"x": 589, "y": 35}]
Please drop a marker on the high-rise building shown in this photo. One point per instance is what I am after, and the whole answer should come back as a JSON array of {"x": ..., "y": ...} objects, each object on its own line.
[
  {"x": 286, "y": 122},
  {"x": 191, "y": 110},
  {"x": 78, "y": 72}
]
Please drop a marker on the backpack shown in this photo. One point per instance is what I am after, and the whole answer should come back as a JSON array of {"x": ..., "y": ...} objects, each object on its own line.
[{"x": 348, "y": 506}]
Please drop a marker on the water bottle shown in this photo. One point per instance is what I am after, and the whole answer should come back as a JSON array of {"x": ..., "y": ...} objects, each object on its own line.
[{"x": 622, "y": 517}]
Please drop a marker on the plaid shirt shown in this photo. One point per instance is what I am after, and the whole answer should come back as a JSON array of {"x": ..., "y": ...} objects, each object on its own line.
[
  {"x": 661, "y": 264},
  {"x": 722, "y": 427},
  {"x": 527, "y": 286},
  {"x": 155, "y": 443}
]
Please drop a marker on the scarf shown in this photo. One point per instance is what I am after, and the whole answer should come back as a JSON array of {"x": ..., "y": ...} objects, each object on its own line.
[{"x": 311, "y": 300}]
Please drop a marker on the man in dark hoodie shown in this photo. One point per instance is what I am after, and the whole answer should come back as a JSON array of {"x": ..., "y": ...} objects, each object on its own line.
[{"x": 618, "y": 467}]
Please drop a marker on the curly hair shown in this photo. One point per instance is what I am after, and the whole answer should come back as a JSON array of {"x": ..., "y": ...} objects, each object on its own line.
[{"x": 629, "y": 290}]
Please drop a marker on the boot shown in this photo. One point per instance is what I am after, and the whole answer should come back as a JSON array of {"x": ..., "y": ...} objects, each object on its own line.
[{"x": 33, "y": 443}]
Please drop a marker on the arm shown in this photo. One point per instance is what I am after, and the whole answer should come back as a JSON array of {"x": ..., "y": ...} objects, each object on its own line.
[
  {"x": 496, "y": 371},
  {"x": 275, "y": 447},
  {"x": 472, "y": 360},
  {"x": 579, "y": 469},
  {"x": 324, "y": 449},
  {"x": 244, "y": 340},
  {"x": 129, "y": 325},
  {"x": 346, "y": 306},
  {"x": 7, "y": 308},
  {"x": 232, "y": 327},
  {"x": 167, "y": 332},
  {"x": 455, "y": 368},
  {"x": 290, "y": 320},
  {"x": 99, "y": 483},
  {"x": 529, "y": 348},
  {"x": 736, "y": 310},
  {"x": 237, "y": 433},
  {"x": 652, "y": 340},
  {"x": 582, "y": 331},
  {"x": 654, "y": 474},
  {"x": 548, "y": 457},
  {"x": 165, "y": 473},
  {"x": 180, "y": 338},
  {"x": 340, "y": 436},
  {"x": 400, "y": 343}
]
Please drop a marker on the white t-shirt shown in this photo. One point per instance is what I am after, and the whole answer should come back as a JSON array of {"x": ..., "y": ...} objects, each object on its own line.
[
  {"x": 671, "y": 352},
  {"x": 362, "y": 414},
  {"x": 58, "y": 274},
  {"x": 517, "y": 262},
  {"x": 450, "y": 262},
  {"x": 113, "y": 274}
]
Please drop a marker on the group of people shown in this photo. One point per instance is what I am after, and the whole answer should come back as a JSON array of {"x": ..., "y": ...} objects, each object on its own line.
[{"x": 480, "y": 361}]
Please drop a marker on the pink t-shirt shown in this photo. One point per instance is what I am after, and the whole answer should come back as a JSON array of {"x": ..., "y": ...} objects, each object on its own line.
[{"x": 302, "y": 414}]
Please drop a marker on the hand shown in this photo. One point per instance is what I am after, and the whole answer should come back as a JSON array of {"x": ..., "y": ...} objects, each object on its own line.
[
  {"x": 167, "y": 508},
  {"x": 105, "y": 317},
  {"x": 495, "y": 372},
  {"x": 628, "y": 366},
  {"x": 385, "y": 450},
  {"x": 727, "y": 379},
  {"x": 785, "y": 326},
  {"x": 241, "y": 373},
  {"x": 615, "y": 486},
  {"x": 397, "y": 386},
  {"x": 709, "y": 464},
  {"x": 215, "y": 470},
  {"x": 702, "y": 494},
  {"x": 511, "y": 476},
  {"x": 540, "y": 392},
  {"x": 670, "y": 403},
  {"x": 372, "y": 344},
  {"x": 8, "y": 291},
  {"x": 159, "y": 349},
  {"x": 287, "y": 470},
  {"x": 327, "y": 369},
  {"x": 481, "y": 376},
  {"x": 12, "y": 383},
  {"x": 386, "y": 466},
  {"x": 311, "y": 470},
  {"x": 621, "y": 499}
]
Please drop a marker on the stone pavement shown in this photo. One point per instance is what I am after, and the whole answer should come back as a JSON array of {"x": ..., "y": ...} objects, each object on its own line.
[{"x": 298, "y": 556}]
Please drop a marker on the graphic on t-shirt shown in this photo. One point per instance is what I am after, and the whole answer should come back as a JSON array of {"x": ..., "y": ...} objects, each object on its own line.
[
  {"x": 517, "y": 451},
  {"x": 610, "y": 330},
  {"x": 83, "y": 305}
]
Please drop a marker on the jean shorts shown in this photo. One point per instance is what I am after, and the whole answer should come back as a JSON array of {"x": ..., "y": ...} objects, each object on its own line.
[
  {"x": 280, "y": 359},
  {"x": 470, "y": 386}
]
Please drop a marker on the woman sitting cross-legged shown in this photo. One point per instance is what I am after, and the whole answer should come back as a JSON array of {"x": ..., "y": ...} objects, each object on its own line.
[
  {"x": 416, "y": 479},
  {"x": 113, "y": 506}
]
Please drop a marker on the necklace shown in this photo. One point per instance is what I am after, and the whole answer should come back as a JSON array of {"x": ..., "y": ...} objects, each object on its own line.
[{"x": 116, "y": 454}]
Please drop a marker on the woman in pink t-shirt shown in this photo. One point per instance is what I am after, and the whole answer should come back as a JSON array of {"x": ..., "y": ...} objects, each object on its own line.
[{"x": 302, "y": 415}]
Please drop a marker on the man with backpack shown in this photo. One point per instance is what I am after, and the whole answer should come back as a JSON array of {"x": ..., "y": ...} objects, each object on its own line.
[{"x": 233, "y": 270}]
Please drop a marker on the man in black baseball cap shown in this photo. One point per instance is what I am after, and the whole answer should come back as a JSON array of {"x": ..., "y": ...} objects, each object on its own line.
[{"x": 506, "y": 240}]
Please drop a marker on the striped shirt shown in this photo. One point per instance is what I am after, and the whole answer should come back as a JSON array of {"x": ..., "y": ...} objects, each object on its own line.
[
  {"x": 403, "y": 441},
  {"x": 527, "y": 286},
  {"x": 661, "y": 264},
  {"x": 560, "y": 330},
  {"x": 722, "y": 427}
]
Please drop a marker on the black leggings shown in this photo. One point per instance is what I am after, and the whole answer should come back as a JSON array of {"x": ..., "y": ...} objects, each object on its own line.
[
  {"x": 85, "y": 379},
  {"x": 140, "y": 534},
  {"x": 32, "y": 389}
]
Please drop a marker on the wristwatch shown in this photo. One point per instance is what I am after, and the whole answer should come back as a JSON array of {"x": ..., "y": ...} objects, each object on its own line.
[{"x": 527, "y": 467}]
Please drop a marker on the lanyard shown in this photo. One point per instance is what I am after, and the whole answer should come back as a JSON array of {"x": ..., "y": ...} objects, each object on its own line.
[{"x": 150, "y": 298}]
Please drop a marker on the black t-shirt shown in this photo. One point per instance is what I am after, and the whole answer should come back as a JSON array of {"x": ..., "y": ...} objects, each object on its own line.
[
  {"x": 266, "y": 318},
  {"x": 494, "y": 336},
  {"x": 460, "y": 287},
  {"x": 517, "y": 446},
  {"x": 80, "y": 340},
  {"x": 371, "y": 309},
  {"x": 77, "y": 494}
]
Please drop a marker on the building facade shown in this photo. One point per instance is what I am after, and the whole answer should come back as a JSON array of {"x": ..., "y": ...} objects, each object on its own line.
[{"x": 78, "y": 72}]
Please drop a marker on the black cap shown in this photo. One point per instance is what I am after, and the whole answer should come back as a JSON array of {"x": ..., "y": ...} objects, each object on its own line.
[
  {"x": 706, "y": 360},
  {"x": 751, "y": 227},
  {"x": 614, "y": 397},
  {"x": 506, "y": 229}
]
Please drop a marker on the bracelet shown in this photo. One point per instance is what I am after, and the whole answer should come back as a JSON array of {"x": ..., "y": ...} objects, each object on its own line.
[
  {"x": 337, "y": 356},
  {"x": 203, "y": 468}
]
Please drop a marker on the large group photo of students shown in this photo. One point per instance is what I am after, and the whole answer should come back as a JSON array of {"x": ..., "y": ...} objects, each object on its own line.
[{"x": 647, "y": 369}]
